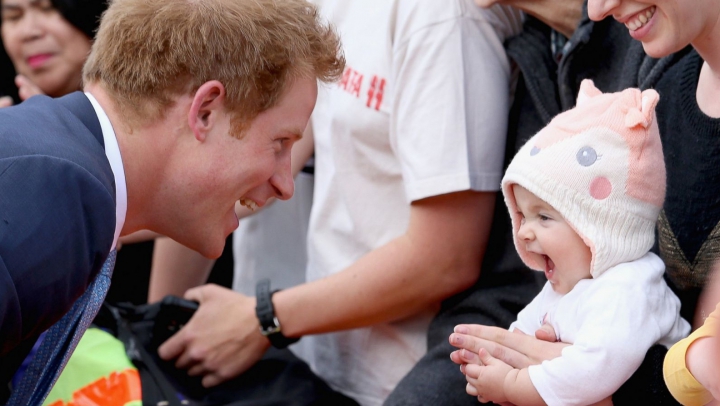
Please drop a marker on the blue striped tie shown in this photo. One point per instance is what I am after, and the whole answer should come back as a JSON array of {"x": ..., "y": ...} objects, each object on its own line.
[{"x": 60, "y": 341}]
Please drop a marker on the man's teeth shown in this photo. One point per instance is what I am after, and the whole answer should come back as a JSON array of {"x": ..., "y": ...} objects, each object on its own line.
[
  {"x": 249, "y": 204},
  {"x": 641, "y": 19}
]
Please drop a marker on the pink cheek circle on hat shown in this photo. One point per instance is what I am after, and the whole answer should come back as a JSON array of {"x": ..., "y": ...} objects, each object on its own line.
[{"x": 600, "y": 188}]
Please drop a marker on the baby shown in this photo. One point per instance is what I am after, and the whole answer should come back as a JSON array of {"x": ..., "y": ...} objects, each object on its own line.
[{"x": 584, "y": 195}]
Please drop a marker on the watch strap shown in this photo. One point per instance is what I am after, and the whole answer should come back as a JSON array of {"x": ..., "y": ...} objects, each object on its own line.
[{"x": 269, "y": 324}]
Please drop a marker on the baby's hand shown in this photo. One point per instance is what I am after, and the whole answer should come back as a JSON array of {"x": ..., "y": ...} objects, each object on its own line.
[
  {"x": 486, "y": 380},
  {"x": 463, "y": 356},
  {"x": 546, "y": 333}
]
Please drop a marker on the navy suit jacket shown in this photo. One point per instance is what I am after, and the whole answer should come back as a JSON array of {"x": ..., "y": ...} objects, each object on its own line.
[{"x": 57, "y": 215}]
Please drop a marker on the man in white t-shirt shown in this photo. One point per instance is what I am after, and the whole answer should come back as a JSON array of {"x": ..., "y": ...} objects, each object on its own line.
[{"x": 409, "y": 156}]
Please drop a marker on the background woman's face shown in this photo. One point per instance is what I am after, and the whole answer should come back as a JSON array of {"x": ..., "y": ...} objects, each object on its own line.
[
  {"x": 663, "y": 26},
  {"x": 43, "y": 45}
]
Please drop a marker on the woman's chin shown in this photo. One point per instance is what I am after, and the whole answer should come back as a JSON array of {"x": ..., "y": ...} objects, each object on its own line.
[{"x": 658, "y": 49}]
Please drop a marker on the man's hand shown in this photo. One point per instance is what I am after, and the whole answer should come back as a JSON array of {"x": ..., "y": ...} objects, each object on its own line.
[
  {"x": 516, "y": 350},
  {"x": 26, "y": 88},
  {"x": 221, "y": 340},
  {"x": 487, "y": 379}
]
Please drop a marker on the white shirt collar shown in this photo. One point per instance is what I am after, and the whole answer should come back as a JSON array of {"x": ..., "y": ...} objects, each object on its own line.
[{"x": 112, "y": 151}]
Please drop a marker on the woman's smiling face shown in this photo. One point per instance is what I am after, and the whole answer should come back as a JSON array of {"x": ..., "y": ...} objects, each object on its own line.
[
  {"x": 663, "y": 26},
  {"x": 43, "y": 45}
]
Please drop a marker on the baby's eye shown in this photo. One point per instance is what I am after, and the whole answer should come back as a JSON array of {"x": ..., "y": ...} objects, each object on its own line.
[
  {"x": 543, "y": 217},
  {"x": 586, "y": 156}
]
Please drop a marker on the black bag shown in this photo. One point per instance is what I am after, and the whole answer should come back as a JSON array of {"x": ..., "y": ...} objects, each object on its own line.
[{"x": 279, "y": 378}]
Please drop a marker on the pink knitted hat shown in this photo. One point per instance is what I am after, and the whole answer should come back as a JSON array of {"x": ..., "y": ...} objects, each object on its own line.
[{"x": 601, "y": 166}]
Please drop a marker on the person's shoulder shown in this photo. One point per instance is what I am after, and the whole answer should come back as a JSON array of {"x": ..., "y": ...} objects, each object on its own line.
[
  {"x": 419, "y": 14},
  {"x": 679, "y": 71},
  {"x": 51, "y": 187},
  {"x": 24, "y": 113},
  {"x": 58, "y": 210},
  {"x": 506, "y": 21},
  {"x": 56, "y": 183},
  {"x": 42, "y": 130},
  {"x": 26, "y": 127}
]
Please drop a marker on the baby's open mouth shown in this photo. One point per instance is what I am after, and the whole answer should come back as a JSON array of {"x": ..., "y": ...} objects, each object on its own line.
[{"x": 549, "y": 268}]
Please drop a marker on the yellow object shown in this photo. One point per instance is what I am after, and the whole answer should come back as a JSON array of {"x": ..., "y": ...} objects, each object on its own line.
[{"x": 682, "y": 385}]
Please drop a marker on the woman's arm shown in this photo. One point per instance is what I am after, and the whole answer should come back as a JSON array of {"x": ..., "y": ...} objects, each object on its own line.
[
  {"x": 516, "y": 350},
  {"x": 562, "y": 16}
]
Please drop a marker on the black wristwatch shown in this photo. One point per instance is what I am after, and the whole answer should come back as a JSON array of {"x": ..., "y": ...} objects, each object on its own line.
[{"x": 269, "y": 324}]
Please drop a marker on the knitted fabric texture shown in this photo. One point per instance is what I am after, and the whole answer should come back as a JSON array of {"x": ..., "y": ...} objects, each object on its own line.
[{"x": 601, "y": 166}]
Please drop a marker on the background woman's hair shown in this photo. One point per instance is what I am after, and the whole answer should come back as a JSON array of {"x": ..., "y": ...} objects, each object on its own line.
[
  {"x": 83, "y": 14},
  {"x": 7, "y": 76}
]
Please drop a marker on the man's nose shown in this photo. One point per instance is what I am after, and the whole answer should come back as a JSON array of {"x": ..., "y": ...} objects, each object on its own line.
[
  {"x": 599, "y": 9},
  {"x": 283, "y": 183}
]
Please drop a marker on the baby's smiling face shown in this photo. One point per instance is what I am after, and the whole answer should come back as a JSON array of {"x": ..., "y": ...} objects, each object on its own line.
[{"x": 552, "y": 241}]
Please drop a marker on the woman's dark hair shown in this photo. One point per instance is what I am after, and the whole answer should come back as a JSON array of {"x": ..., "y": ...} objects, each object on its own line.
[
  {"x": 7, "y": 76},
  {"x": 83, "y": 14}
]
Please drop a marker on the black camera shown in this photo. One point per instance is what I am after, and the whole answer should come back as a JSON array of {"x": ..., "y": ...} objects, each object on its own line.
[{"x": 173, "y": 314}]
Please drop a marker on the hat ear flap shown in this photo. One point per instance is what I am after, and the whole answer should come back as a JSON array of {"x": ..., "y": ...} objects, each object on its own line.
[
  {"x": 644, "y": 115},
  {"x": 587, "y": 91}
]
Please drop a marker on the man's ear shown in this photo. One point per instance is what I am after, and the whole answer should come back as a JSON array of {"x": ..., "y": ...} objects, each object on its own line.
[{"x": 206, "y": 105}]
